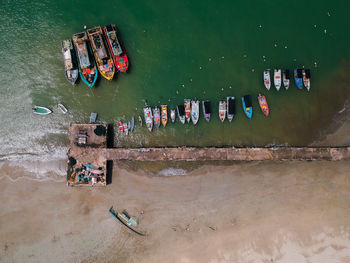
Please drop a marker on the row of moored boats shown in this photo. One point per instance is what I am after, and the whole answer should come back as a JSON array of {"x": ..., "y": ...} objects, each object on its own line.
[
  {"x": 301, "y": 76},
  {"x": 92, "y": 51}
]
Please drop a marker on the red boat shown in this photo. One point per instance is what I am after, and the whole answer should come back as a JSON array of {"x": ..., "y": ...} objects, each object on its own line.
[
  {"x": 120, "y": 125},
  {"x": 263, "y": 105},
  {"x": 118, "y": 54}
]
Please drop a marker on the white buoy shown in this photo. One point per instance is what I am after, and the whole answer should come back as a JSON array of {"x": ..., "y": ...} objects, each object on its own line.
[{"x": 84, "y": 26}]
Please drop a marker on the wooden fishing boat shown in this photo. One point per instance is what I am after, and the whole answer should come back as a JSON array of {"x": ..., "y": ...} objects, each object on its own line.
[
  {"x": 263, "y": 104},
  {"x": 148, "y": 118},
  {"x": 87, "y": 66},
  {"x": 164, "y": 114},
  {"x": 132, "y": 124},
  {"x": 156, "y": 117},
  {"x": 93, "y": 117},
  {"x": 40, "y": 110},
  {"x": 206, "y": 109},
  {"x": 195, "y": 111},
  {"x": 247, "y": 106},
  {"x": 126, "y": 220},
  {"x": 126, "y": 129},
  {"x": 306, "y": 78},
  {"x": 140, "y": 121},
  {"x": 117, "y": 52},
  {"x": 181, "y": 113},
  {"x": 267, "y": 79},
  {"x": 172, "y": 115},
  {"x": 286, "y": 78},
  {"x": 230, "y": 108},
  {"x": 277, "y": 78},
  {"x": 70, "y": 61},
  {"x": 298, "y": 76},
  {"x": 187, "y": 104},
  {"x": 121, "y": 126},
  {"x": 104, "y": 61},
  {"x": 222, "y": 110},
  {"x": 62, "y": 108}
]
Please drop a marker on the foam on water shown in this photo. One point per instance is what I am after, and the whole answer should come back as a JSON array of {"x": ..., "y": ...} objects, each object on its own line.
[{"x": 172, "y": 172}]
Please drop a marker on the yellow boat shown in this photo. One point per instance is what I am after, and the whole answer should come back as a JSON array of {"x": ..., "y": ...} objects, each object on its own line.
[
  {"x": 164, "y": 114},
  {"x": 103, "y": 59}
]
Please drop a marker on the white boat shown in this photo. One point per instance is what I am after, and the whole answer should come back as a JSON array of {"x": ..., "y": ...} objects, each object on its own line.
[
  {"x": 277, "y": 78},
  {"x": 40, "y": 110},
  {"x": 194, "y": 111},
  {"x": 62, "y": 108},
  {"x": 230, "y": 108},
  {"x": 172, "y": 115},
  {"x": 148, "y": 118},
  {"x": 126, "y": 128},
  {"x": 306, "y": 78},
  {"x": 267, "y": 79},
  {"x": 181, "y": 113},
  {"x": 286, "y": 78},
  {"x": 222, "y": 110},
  {"x": 187, "y": 104}
]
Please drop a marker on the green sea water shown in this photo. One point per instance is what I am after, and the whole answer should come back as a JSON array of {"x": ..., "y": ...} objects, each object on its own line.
[{"x": 177, "y": 50}]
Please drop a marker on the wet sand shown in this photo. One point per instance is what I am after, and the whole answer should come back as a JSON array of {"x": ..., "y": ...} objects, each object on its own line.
[{"x": 243, "y": 212}]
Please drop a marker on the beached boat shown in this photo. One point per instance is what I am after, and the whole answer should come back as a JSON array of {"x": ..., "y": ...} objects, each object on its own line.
[
  {"x": 140, "y": 121},
  {"x": 87, "y": 66},
  {"x": 156, "y": 117},
  {"x": 103, "y": 60},
  {"x": 132, "y": 124},
  {"x": 187, "y": 104},
  {"x": 286, "y": 78},
  {"x": 62, "y": 108},
  {"x": 267, "y": 79},
  {"x": 93, "y": 117},
  {"x": 117, "y": 52},
  {"x": 126, "y": 220},
  {"x": 206, "y": 109},
  {"x": 263, "y": 104},
  {"x": 181, "y": 113},
  {"x": 298, "y": 76},
  {"x": 125, "y": 127},
  {"x": 222, "y": 110},
  {"x": 40, "y": 110},
  {"x": 70, "y": 61},
  {"x": 120, "y": 125},
  {"x": 195, "y": 111},
  {"x": 172, "y": 115},
  {"x": 164, "y": 114},
  {"x": 277, "y": 79},
  {"x": 306, "y": 78},
  {"x": 230, "y": 108},
  {"x": 148, "y": 117},
  {"x": 247, "y": 106}
]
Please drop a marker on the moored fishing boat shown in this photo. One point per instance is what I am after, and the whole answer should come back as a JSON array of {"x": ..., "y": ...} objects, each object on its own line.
[
  {"x": 62, "y": 108},
  {"x": 206, "y": 109},
  {"x": 286, "y": 78},
  {"x": 187, "y": 104},
  {"x": 277, "y": 78},
  {"x": 267, "y": 79},
  {"x": 126, "y": 129},
  {"x": 118, "y": 54},
  {"x": 194, "y": 111},
  {"x": 164, "y": 114},
  {"x": 306, "y": 78},
  {"x": 263, "y": 104},
  {"x": 70, "y": 61},
  {"x": 230, "y": 108},
  {"x": 121, "y": 126},
  {"x": 40, "y": 110},
  {"x": 103, "y": 60},
  {"x": 87, "y": 66},
  {"x": 247, "y": 106},
  {"x": 222, "y": 110},
  {"x": 173, "y": 115},
  {"x": 298, "y": 76},
  {"x": 156, "y": 117},
  {"x": 132, "y": 124},
  {"x": 181, "y": 113},
  {"x": 148, "y": 118}
]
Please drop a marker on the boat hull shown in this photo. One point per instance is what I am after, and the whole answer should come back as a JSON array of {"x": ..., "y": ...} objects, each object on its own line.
[
  {"x": 263, "y": 105},
  {"x": 194, "y": 111},
  {"x": 222, "y": 110},
  {"x": 206, "y": 110},
  {"x": 267, "y": 79},
  {"x": 40, "y": 110},
  {"x": 248, "y": 110},
  {"x": 298, "y": 78}
]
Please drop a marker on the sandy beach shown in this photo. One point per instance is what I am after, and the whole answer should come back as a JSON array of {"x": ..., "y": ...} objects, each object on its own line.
[{"x": 242, "y": 212}]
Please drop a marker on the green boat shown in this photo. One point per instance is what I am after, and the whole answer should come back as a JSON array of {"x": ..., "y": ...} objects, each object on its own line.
[{"x": 41, "y": 110}]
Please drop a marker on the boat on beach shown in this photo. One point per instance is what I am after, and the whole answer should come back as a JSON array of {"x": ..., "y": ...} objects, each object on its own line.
[
  {"x": 298, "y": 76},
  {"x": 118, "y": 54},
  {"x": 132, "y": 124},
  {"x": 93, "y": 117},
  {"x": 195, "y": 111},
  {"x": 70, "y": 61},
  {"x": 247, "y": 106},
  {"x": 267, "y": 79},
  {"x": 164, "y": 114},
  {"x": 263, "y": 104},
  {"x": 277, "y": 78},
  {"x": 87, "y": 66},
  {"x": 286, "y": 78},
  {"x": 206, "y": 109},
  {"x": 306, "y": 78},
  {"x": 156, "y": 117},
  {"x": 120, "y": 125},
  {"x": 222, "y": 110},
  {"x": 230, "y": 108},
  {"x": 187, "y": 104},
  {"x": 181, "y": 113},
  {"x": 40, "y": 110},
  {"x": 103, "y": 60},
  {"x": 62, "y": 108},
  {"x": 148, "y": 118},
  {"x": 173, "y": 115},
  {"x": 126, "y": 129}
]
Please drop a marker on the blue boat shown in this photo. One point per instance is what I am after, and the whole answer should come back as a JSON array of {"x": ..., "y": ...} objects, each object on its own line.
[
  {"x": 298, "y": 76},
  {"x": 247, "y": 106}
]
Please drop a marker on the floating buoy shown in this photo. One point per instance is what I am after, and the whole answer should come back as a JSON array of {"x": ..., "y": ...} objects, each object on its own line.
[
  {"x": 275, "y": 45},
  {"x": 260, "y": 26},
  {"x": 191, "y": 80},
  {"x": 84, "y": 26},
  {"x": 253, "y": 70},
  {"x": 222, "y": 88},
  {"x": 209, "y": 59},
  {"x": 230, "y": 87},
  {"x": 285, "y": 47},
  {"x": 177, "y": 92},
  {"x": 329, "y": 14},
  {"x": 315, "y": 26},
  {"x": 200, "y": 67},
  {"x": 222, "y": 57},
  {"x": 325, "y": 31}
]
